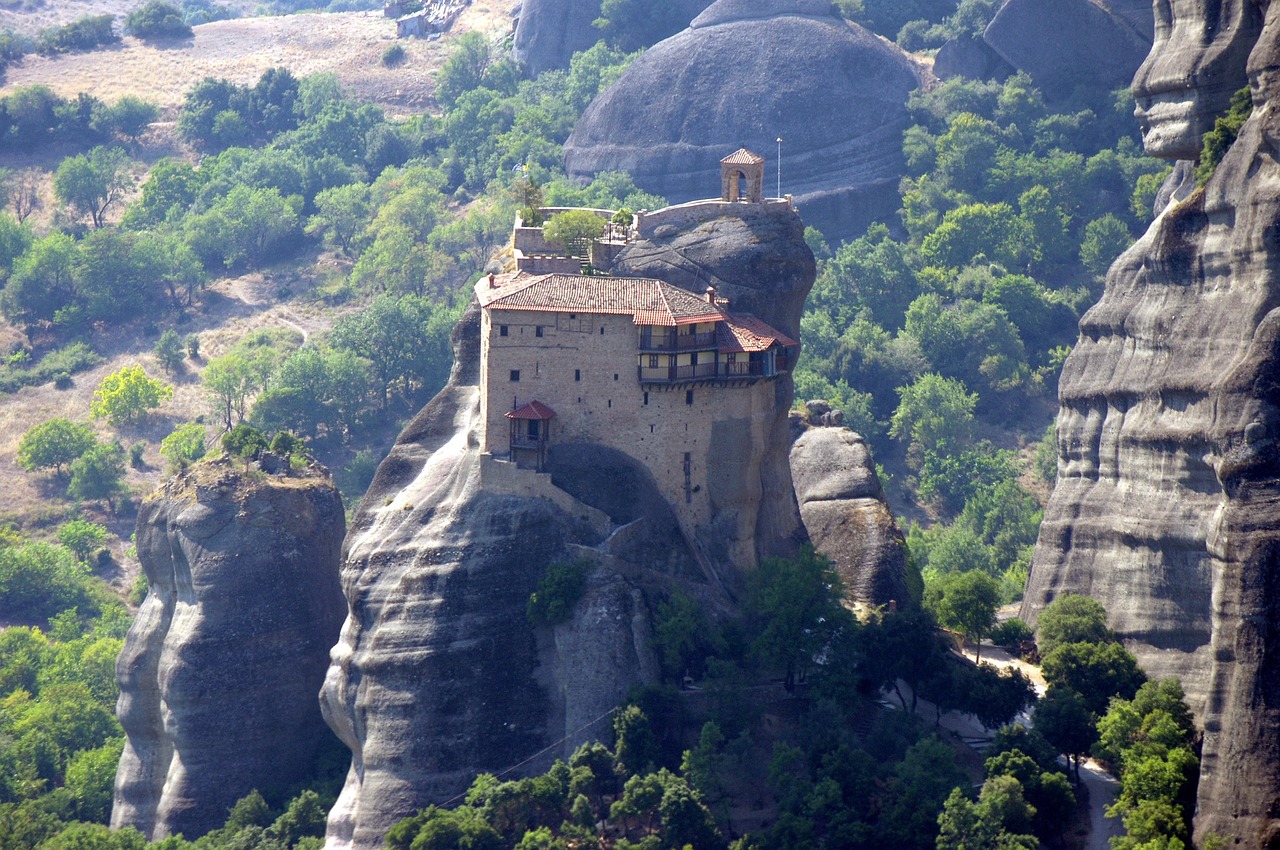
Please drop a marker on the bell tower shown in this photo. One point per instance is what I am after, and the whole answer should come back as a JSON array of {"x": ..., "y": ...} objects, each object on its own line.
[{"x": 742, "y": 177}]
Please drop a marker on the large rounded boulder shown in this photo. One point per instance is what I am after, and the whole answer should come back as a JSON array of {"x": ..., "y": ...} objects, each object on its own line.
[{"x": 743, "y": 75}]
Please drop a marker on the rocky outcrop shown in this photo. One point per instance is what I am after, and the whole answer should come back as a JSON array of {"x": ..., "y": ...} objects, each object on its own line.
[
  {"x": 1167, "y": 497},
  {"x": 971, "y": 58},
  {"x": 220, "y": 670},
  {"x": 846, "y": 516},
  {"x": 438, "y": 673},
  {"x": 742, "y": 75},
  {"x": 549, "y": 32},
  {"x": 1096, "y": 45}
]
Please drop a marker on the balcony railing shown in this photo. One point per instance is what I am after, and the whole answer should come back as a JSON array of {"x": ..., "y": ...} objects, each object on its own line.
[
  {"x": 704, "y": 372},
  {"x": 523, "y": 442},
  {"x": 677, "y": 342}
]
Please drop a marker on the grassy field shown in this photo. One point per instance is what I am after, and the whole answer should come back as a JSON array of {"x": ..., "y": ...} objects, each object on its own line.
[{"x": 350, "y": 44}]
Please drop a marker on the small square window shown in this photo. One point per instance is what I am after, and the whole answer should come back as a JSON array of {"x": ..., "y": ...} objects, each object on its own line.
[
  {"x": 646, "y": 398},
  {"x": 537, "y": 331},
  {"x": 615, "y": 376},
  {"x": 502, "y": 330},
  {"x": 653, "y": 361},
  {"x": 610, "y": 403},
  {"x": 688, "y": 396},
  {"x": 577, "y": 374},
  {"x": 602, "y": 332},
  {"x": 573, "y": 316},
  {"x": 515, "y": 376}
]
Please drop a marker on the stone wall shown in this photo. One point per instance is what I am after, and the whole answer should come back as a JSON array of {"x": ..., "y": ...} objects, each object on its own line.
[{"x": 696, "y": 212}]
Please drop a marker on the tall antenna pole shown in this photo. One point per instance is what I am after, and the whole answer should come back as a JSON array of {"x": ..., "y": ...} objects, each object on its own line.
[{"x": 779, "y": 167}]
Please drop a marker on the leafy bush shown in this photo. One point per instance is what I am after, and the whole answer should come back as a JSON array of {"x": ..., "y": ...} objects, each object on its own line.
[
  {"x": 558, "y": 592},
  {"x": 1225, "y": 129},
  {"x": 84, "y": 34},
  {"x": 157, "y": 19},
  {"x": 76, "y": 357},
  {"x": 40, "y": 580},
  {"x": 1010, "y": 634},
  {"x": 393, "y": 56},
  {"x": 244, "y": 441}
]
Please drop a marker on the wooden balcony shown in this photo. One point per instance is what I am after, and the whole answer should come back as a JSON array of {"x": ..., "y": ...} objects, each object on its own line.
[
  {"x": 650, "y": 342},
  {"x": 704, "y": 372}
]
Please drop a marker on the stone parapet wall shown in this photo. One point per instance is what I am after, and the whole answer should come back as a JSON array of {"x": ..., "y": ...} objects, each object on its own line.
[{"x": 683, "y": 215}]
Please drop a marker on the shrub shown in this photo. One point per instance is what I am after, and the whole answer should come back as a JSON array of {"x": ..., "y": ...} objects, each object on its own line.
[
  {"x": 184, "y": 446},
  {"x": 168, "y": 351},
  {"x": 244, "y": 441},
  {"x": 135, "y": 454},
  {"x": 82, "y": 537},
  {"x": 393, "y": 56},
  {"x": 1010, "y": 634},
  {"x": 157, "y": 19},
  {"x": 558, "y": 593}
]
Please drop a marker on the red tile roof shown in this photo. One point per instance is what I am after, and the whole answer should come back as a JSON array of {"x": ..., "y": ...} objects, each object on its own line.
[
  {"x": 533, "y": 410},
  {"x": 742, "y": 156},
  {"x": 744, "y": 332},
  {"x": 647, "y": 301}
]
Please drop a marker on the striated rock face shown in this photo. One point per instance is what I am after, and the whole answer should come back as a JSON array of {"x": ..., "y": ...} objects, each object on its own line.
[
  {"x": 549, "y": 32},
  {"x": 1094, "y": 44},
  {"x": 742, "y": 75},
  {"x": 220, "y": 670},
  {"x": 1196, "y": 63},
  {"x": 846, "y": 516},
  {"x": 438, "y": 673},
  {"x": 1167, "y": 501}
]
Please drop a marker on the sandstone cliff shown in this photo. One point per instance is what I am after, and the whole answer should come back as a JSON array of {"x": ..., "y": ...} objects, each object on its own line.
[
  {"x": 549, "y": 32},
  {"x": 438, "y": 673},
  {"x": 743, "y": 75},
  {"x": 220, "y": 670},
  {"x": 845, "y": 513},
  {"x": 1166, "y": 503},
  {"x": 1096, "y": 44}
]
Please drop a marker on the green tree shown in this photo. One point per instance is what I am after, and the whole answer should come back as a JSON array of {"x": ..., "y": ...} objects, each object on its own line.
[
  {"x": 170, "y": 351},
  {"x": 156, "y": 19},
  {"x": 1072, "y": 618},
  {"x": 967, "y": 603},
  {"x": 82, "y": 537},
  {"x": 90, "y": 782},
  {"x": 1104, "y": 239},
  {"x": 130, "y": 117},
  {"x": 184, "y": 446},
  {"x": 636, "y": 748},
  {"x": 53, "y": 444},
  {"x": 89, "y": 183},
  {"x": 40, "y": 580},
  {"x": 1000, "y": 820},
  {"x": 795, "y": 606},
  {"x": 1096, "y": 671},
  {"x": 1065, "y": 721},
  {"x": 128, "y": 395},
  {"x": 342, "y": 213},
  {"x": 43, "y": 281},
  {"x": 934, "y": 411},
  {"x": 558, "y": 592},
  {"x": 573, "y": 231},
  {"x": 97, "y": 474}
]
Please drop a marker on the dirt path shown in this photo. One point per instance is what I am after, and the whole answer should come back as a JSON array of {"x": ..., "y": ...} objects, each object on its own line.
[{"x": 1101, "y": 785}]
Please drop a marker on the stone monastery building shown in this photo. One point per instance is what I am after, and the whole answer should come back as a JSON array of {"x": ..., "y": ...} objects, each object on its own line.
[{"x": 675, "y": 380}]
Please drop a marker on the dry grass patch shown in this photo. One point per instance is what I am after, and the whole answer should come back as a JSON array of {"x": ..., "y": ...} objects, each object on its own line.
[{"x": 349, "y": 44}]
